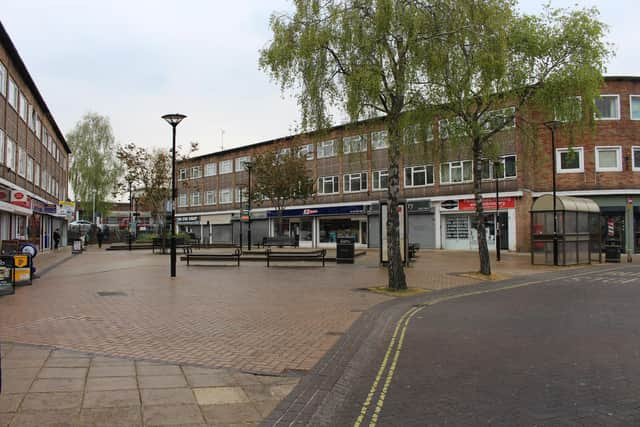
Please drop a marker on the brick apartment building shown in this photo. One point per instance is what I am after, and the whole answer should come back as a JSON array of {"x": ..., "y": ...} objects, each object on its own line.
[
  {"x": 34, "y": 156},
  {"x": 349, "y": 165}
]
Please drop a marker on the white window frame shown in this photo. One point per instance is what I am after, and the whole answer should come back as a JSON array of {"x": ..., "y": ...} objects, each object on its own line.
[
  {"x": 306, "y": 151},
  {"x": 22, "y": 162},
  {"x": 380, "y": 173},
  {"x": 579, "y": 169},
  {"x": 379, "y": 140},
  {"x": 196, "y": 172},
  {"x": 354, "y": 141},
  {"x": 443, "y": 129},
  {"x": 13, "y": 94},
  {"x": 11, "y": 154},
  {"x": 240, "y": 162},
  {"x": 223, "y": 199},
  {"x": 635, "y": 149},
  {"x": 24, "y": 108},
  {"x": 631, "y": 97},
  {"x": 183, "y": 174},
  {"x": 211, "y": 169},
  {"x": 456, "y": 164},
  {"x": 492, "y": 115},
  {"x": 3, "y": 80},
  {"x": 504, "y": 168},
  {"x": 350, "y": 178},
  {"x": 326, "y": 149},
  {"x": 618, "y": 107},
  {"x": 618, "y": 150},
  {"x": 182, "y": 200},
  {"x": 225, "y": 167},
  {"x": 335, "y": 183},
  {"x": 29, "y": 169},
  {"x": 210, "y": 197},
  {"x": 36, "y": 175},
  {"x": 2, "y": 145},
  {"x": 415, "y": 169},
  {"x": 195, "y": 198}
]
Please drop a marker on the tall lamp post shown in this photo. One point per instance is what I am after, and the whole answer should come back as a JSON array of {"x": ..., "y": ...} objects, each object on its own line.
[
  {"x": 130, "y": 209},
  {"x": 174, "y": 120},
  {"x": 93, "y": 218},
  {"x": 248, "y": 166},
  {"x": 552, "y": 126},
  {"x": 496, "y": 165}
]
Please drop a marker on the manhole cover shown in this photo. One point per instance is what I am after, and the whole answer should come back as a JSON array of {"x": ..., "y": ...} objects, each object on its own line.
[{"x": 112, "y": 294}]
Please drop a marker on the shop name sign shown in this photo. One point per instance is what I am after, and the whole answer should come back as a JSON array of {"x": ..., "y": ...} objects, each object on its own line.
[
  {"x": 487, "y": 204},
  {"x": 329, "y": 210},
  {"x": 18, "y": 198},
  {"x": 187, "y": 219}
]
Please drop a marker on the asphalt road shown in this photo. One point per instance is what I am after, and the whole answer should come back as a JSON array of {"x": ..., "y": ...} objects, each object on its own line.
[{"x": 563, "y": 350}]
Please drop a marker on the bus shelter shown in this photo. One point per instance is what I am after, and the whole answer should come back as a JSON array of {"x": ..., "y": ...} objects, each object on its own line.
[{"x": 578, "y": 231}]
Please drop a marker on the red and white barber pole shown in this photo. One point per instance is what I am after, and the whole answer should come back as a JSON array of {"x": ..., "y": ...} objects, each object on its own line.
[{"x": 610, "y": 227}]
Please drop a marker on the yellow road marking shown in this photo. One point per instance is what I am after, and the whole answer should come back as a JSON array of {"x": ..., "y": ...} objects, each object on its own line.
[{"x": 406, "y": 317}]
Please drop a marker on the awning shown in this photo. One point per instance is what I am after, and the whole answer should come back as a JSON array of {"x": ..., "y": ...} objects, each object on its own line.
[
  {"x": 8, "y": 207},
  {"x": 564, "y": 203}
]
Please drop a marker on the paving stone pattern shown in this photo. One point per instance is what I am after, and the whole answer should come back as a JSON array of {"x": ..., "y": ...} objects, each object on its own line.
[{"x": 47, "y": 387}]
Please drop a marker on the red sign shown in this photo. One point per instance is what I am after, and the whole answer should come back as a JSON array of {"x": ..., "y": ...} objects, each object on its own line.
[
  {"x": 610, "y": 227},
  {"x": 487, "y": 204},
  {"x": 310, "y": 211},
  {"x": 18, "y": 198},
  {"x": 5, "y": 195}
]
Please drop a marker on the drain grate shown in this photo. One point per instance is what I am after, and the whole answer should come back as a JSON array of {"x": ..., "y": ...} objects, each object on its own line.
[{"x": 112, "y": 294}]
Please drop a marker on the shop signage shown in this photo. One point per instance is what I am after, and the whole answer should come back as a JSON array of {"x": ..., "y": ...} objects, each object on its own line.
[
  {"x": 487, "y": 204},
  {"x": 329, "y": 210},
  {"x": 419, "y": 206},
  {"x": 188, "y": 219},
  {"x": 18, "y": 198},
  {"x": 67, "y": 209},
  {"x": 5, "y": 195},
  {"x": 449, "y": 204}
]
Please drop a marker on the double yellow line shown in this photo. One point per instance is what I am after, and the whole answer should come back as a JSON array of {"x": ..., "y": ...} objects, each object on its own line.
[
  {"x": 398, "y": 334},
  {"x": 398, "y": 338}
]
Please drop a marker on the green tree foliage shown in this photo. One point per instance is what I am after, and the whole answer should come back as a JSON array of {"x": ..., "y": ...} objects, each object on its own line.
[
  {"x": 280, "y": 178},
  {"x": 93, "y": 168},
  {"x": 412, "y": 61},
  {"x": 488, "y": 57}
]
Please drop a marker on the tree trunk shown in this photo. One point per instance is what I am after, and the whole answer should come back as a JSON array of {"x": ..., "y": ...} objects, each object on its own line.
[
  {"x": 483, "y": 248},
  {"x": 397, "y": 279}
]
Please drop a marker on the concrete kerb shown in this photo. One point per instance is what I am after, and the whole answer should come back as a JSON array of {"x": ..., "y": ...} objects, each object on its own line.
[{"x": 325, "y": 380}]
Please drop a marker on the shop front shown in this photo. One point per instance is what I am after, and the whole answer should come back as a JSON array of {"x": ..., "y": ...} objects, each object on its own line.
[
  {"x": 458, "y": 225},
  {"x": 620, "y": 220},
  {"x": 321, "y": 226}
]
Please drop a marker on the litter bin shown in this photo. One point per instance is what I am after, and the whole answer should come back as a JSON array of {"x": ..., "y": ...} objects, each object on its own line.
[
  {"x": 7, "y": 285},
  {"x": 612, "y": 251},
  {"x": 345, "y": 249}
]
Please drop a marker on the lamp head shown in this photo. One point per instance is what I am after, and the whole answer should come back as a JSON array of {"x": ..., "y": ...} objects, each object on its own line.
[
  {"x": 174, "y": 119},
  {"x": 553, "y": 124}
]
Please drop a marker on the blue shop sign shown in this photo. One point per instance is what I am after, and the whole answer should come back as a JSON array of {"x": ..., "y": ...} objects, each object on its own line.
[{"x": 328, "y": 210}]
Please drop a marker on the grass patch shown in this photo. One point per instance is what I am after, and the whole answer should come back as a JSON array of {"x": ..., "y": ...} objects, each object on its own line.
[
  {"x": 479, "y": 276},
  {"x": 397, "y": 293}
]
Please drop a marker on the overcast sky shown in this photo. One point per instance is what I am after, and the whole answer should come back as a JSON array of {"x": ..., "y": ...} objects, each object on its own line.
[{"x": 139, "y": 59}]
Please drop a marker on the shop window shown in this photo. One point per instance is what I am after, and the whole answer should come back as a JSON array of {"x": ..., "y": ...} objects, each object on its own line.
[
  {"x": 195, "y": 172},
  {"x": 182, "y": 199},
  {"x": 226, "y": 166},
  {"x": 182, "y": 175},
  {"x": 609, "y": 159},
  {"x": 418, "y": 176},
  {"x": 456, "y": 172},
  {"x": 240, "y": 162},
  {"x": 569, "y": 160},
  {"x": 380, "y": 180},
  {"x": 328, "y": 185},
  {"x": 457, "y": 227},
  {"x": 505, "y": 168},
  {"x": 226, "y": 196},
  {"x": 332, "y": 228},
  {"x": 354, "y": 144},
  {"x": 636, "y": 158},
  {"x": 210, "y": 198},
  {"x": 608, "y": 107},
  {"x": 326, "y": 149},
  {"x": 210, "y": 169},
  {"x": 634, "y": 104},
  {"x": 195, "y": 198},
  {"x": 379, "y": 140},
  {"x": 355, "y": 182}
]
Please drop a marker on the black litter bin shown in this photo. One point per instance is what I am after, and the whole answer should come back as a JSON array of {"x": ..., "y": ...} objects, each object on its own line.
[
  {"x": 345, "y": 249},
  {"x": 612, "y": 251}
]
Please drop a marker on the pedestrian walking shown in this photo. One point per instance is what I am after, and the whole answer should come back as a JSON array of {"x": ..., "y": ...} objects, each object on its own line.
[
  {"x": 56, "y": 239},
  {"x": 100, "y": 236}
]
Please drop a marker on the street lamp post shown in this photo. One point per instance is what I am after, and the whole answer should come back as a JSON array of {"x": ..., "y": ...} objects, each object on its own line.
[
  {"x": 174, "y": 120},
  {"x": 248, "y": 166},
  {"x": 552, "y": 126},
  {"x": 93, "y": 218},
  {"x": 496, "y": 165}
]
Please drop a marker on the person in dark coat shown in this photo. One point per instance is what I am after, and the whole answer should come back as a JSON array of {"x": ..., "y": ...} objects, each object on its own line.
[
  {"x": 100, "y": 236},
  {"x": 56, "y": 239}
]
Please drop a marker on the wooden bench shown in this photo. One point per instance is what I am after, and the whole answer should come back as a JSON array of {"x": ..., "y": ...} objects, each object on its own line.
[
  {"x": 234, "y": 256},
  {"x": 279, "y": 241},
  {"x": 157, "y": 244},
  {"x": 317, "y": 255}
]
